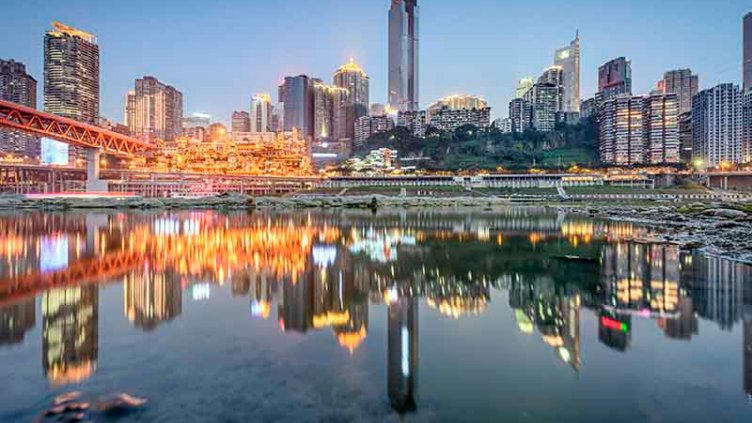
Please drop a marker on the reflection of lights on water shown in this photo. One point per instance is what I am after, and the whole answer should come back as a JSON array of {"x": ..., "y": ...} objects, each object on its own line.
[
  {"x": 201, "y": 292},
  {"x": 391, "y": 295},
  {"x": 324, "y": 255},
  {"x": 174, "y": 227},
  {"x": 53, "y": 254},
  {"x": 260, "y": 309},
  {"x": 564, "y": 354},
  {"x": 405, "y": 352}
]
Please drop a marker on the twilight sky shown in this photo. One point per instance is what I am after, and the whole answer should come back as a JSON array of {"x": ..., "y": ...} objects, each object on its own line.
[{"x": 219, "y": 53}]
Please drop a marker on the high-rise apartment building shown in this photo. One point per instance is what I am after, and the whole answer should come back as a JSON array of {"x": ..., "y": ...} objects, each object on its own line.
[
  {"x": 154, "y": 110},
  {"x": 18, "y": 87},
  {"x": 523, "y": 86},
  {"x": 747, "y": 127},
  {"x": 639, "y": 130},
  {"x": 71, "y": 77},
  {"x": 682, "y": 83},
  {"x": 685, "y": 137},
  {"x": 414, "y": 121},
  {"x": 241, "y": 121},
  {"x": 747, "y": 54},
  {"x": 403, "y": 55},
  {"x": 614, "y": 80},
  {"x": 448, "y": 119},
  {"x": 661, "y": 119},
  {"x": 297, "y": 94},
  {"x": 261, "y": 113},
  {"x": 196, "y": 125},
  {"x": 568, "y": 58},
  {"x": 456, "y": 102},
  {"x": 351, "y": 78},
  {"x": 622, "y": 131},
  {"x": 521, "y": 114},
  {"x": 588, "y": 108},
  {"x": 545, "y": 99},
  {"x": 717, "y": 126}
]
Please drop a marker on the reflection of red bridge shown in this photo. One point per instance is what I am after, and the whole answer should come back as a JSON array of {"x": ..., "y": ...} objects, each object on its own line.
[{"x": 95, "y": 269}]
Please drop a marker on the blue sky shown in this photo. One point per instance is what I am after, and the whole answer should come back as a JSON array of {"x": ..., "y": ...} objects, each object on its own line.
[{"x": 219, "y": 53}]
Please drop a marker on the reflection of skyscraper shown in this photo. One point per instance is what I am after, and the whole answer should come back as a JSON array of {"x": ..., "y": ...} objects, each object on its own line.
[
  {"x": 403, "y": 354},
  {"x": 685, "y": 325},
  {"x": 15, "y": 320},
  {"x": 614, "y": 330},
  {"x": 70, "y": 333},
  {"x": 296, "y": 310},
  {"x": 747, "y": 358},
  {"x": 152, "y": 298}
]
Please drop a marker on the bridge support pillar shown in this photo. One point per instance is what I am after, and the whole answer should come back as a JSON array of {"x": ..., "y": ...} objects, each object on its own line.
[{"x": 93, "y": 183}]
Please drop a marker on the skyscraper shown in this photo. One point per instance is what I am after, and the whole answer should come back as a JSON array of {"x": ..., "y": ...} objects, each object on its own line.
[
  {"x": 545, "y": 98},
  {"x": 351, "y": 78},
  {"x": 747, "y": 54},
  {"x": 747, "y": 127},
  {"x": 523, "y": 86},
  {"x": 568, "y": 58},
  {"x": 661, "y": 120},
  {"x": 329, "y": 111},
  {"x": 297, "y": 94},
  {"x": 71, "y": 77},
  {"x": 241, "y": 121},
  {"x": 19, "y": 87},
  {"x": 622, "y": 131},
  {"x": 614, "y": 80},
  {"x": 717, "y": 125},
  {"x": 154, "y": 110},
  {"x": 682, "y": 83},
  {"x": 261, "y": 113},
  {"x": 520, "y": 112},
  {"x": 403, "y": 55}
]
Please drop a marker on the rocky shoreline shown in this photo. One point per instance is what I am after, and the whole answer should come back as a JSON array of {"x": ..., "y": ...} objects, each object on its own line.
[{"x": 722, "y": 229}]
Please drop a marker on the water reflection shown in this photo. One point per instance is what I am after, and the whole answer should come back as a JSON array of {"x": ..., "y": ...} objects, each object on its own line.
[{"x": 322, "y": 271}]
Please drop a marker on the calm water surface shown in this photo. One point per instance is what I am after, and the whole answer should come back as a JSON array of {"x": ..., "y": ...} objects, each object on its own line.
[{"x": 414, "y": 316}]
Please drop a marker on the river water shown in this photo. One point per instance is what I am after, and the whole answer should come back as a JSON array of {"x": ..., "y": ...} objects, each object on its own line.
[{"x": 517, "y": 314}]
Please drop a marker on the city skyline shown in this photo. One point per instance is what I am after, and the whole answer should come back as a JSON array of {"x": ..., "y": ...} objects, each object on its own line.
[{"x": 444, "y": 58}]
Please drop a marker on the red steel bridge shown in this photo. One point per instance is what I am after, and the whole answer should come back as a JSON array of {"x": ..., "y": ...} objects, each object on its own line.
[{"x": 93, "y": 138}]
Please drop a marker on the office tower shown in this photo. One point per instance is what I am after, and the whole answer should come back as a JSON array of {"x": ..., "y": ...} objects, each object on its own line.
[
  {"x": 717, "y": 126},
  {"x": 614, "y": 80},
  {"x": 367, "y": 126},
  {"x": 18, "y": 87},
  {"x": 70, "y": 334},
  {"x": 241, "y": 121},
  {"x": 682, "y": 83},
  {"x": 523, "y": 86},
  {"x": 71, "y": 77},
  {"x": 685, "y": 137},
  {"x": 568, "y": 58},
  {"x": 747, "y": 54},
  {"x": 520, "y": 112},
  {"x": 414, "y": 121},
  {"x": 278, "y": 117},
  {"x": 297, "y": 94},
  {"x": 554, "y": 75},
  {"x": 448, "y": 119},
  {"x": 154, "y": 110},
  {"x": 662, "y": 128},
  {"x": 351, "y": 78},
  {"x": 261, "y": 113},
  {"x": 402, "y": 354},
  {"x": 330, "y": 106},
  {"x": 377, "y": 109},
  {"x": 622, "y": 131},
  {"x": 403, "y": 55}
]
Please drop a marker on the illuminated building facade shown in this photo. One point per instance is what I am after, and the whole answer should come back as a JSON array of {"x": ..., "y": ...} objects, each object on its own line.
[
  {"x": 154, "y": 110},
  {"x": 621, "y": 133},
  {"x": 747, "y": 127},
  {"x": 355, "y": 85},
  {"x": 329, "y": 112},
  {"x": 717, "y": 126},
  {"x": 662, "y": 128},
  {"x": 19, "y": 87},
  {"x": 447, "y": 119},
  {"x": 261, "y": 114},
  {"x": 151, "y": 298},
  {"x": 403, "y": 55},
  {"x": 71, "y": 77},
  {"x": 614, "y": 80},
  {"x": 195, "y": 126},
  {"x": 241, "y": 121},
  {"x": 682, "y": 83}
]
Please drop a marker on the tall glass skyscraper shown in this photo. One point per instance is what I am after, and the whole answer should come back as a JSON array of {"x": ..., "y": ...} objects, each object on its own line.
[
  {"x": 403, "y": 55},
  {"x": 568, "y": 58},
  {"x": 351, "y": 78}
]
